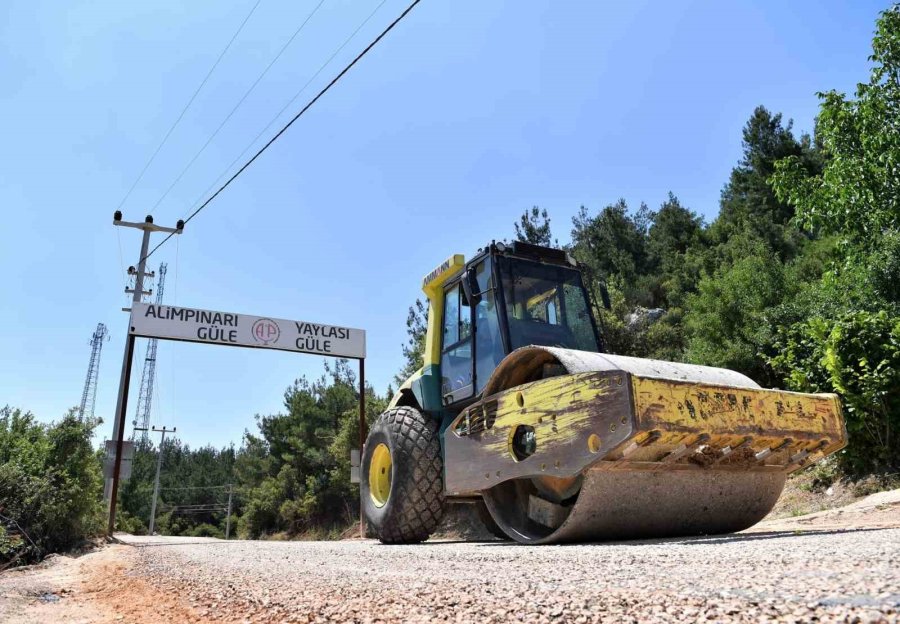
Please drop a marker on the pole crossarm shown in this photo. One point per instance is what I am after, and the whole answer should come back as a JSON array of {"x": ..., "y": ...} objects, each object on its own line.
[{"x": 148, "y": 226}]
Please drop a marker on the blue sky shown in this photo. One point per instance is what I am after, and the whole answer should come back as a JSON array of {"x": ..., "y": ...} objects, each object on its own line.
[{"x": 467, "y": 114}]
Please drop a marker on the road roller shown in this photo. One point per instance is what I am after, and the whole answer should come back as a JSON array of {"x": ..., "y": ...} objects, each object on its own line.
[{"x": 519, "y": 411}]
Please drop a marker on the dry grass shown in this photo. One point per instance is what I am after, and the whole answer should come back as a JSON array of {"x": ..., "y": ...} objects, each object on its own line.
[{"x": 822, "y": 487}]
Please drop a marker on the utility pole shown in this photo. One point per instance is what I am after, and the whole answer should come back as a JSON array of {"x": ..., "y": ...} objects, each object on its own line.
[
  {"x": 125, "y": 379},
  {"x": 228, "y": 512},
  {"x": 159, "y": 457}
]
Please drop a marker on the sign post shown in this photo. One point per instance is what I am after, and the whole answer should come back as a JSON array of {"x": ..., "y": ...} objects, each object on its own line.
[
  {"x": 150, "y": 320},
  {"x": 362, "y": 438}
]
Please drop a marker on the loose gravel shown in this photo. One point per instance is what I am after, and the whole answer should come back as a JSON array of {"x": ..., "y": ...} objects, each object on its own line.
[{"x": 821, "y": 576}]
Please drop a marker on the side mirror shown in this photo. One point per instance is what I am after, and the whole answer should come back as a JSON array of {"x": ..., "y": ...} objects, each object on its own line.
[
  {"x": 470, "y": 287},
  {"x": 604, "y": 295}
]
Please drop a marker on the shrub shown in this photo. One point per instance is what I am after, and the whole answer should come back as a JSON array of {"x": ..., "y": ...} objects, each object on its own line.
[
  {"x": 50, "y": 481},
  {"x": 858, "y": 357},
  {"x": 205, "y": 530}
]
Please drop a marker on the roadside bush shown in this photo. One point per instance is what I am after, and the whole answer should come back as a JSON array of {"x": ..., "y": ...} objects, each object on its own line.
[
  {"x": 858, "y": 357},
  {"x": 205, "y": 530},
  {"x": 8, "y": 544},
  {"x": 50, "y": 480},
  {"x": 822, "y": 475},
  {"x": 127, "y": 523}
]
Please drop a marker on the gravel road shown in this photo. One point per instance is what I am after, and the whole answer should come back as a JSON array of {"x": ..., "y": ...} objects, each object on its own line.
[
  {"x": 825, "y": 575},
  {"x": 824, "y": 568}
]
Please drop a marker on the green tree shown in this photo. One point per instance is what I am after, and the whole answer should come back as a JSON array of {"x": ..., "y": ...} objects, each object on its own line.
[
  {"x": 414, "y": 349},
  {"x": 727, "y": 319},
  {"x": 842, "y": 333},
  {"x": 294, "y": 475},
  {"x": 673, "y": 232},
  {"x": 749, "y": 205},
  {"x": 613, "y": 242},
  {"x": 534, "y": 227},
  {"x": 676, "y": 243},
  {"x": 857, "y": 195}
]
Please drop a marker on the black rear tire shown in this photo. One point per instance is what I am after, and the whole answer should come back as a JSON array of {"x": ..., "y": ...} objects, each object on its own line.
[{"x": 414, "y": 506}]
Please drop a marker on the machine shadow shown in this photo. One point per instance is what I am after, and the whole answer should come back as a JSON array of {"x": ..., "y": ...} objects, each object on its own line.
[{"x": 699, "y": 540}]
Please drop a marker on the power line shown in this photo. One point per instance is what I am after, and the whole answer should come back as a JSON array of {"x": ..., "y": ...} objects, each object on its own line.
[
  {"x": 295, "y": 118},
  {"x": 122, "y": 258},
  {"x": 284, "y": 108},
  {"x": 158, "y": 400},
  {"x": 187, "y": 106},
  {"x": 236, "y": 106}
]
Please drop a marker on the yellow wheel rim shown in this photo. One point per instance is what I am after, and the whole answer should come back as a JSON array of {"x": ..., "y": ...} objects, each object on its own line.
[{"x": 380, "y": 475}]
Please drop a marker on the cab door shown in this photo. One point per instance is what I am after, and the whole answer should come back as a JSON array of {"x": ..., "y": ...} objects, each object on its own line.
[
  {"x": 457, "y": 373},
  {"x": 472, "y": 343}
]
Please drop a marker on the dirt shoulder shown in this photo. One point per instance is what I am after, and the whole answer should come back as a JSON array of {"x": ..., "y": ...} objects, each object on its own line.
[
  {"x": 99, "y": 587},
  {"x": 876, "y": 511},
  {"x": 821, "y": 487}
]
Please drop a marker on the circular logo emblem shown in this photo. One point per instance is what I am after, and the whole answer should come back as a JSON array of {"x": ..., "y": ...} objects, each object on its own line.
[{"x": 265, "y": 331}]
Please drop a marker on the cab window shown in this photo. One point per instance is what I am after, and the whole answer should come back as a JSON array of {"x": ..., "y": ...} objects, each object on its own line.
[
  {"x": 546, "y": 305},
  {"x": 488, "y": 339},
  {"x": 456, "y": 351}
]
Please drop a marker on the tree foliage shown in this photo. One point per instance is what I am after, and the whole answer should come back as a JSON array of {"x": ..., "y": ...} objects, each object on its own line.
[
  {"x": 534, "y": 227},
  {"x": 294, "y": 477},
  {"x": 858, "y": 356},
  {"x": 291, "y": 476},
  {"x": 857, "y": 195},
  {"x": 845, "y": 337},
  {"x": 50, "y": 484},
  {"x": 414, "y": 349},
  {"x": 728, "y": 319},
  {"x": 749, "y": 205}
]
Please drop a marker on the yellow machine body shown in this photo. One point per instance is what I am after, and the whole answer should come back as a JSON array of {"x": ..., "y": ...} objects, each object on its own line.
[
  {"x": 619, "y": 453},
  {"x": 657, "y": 424}
]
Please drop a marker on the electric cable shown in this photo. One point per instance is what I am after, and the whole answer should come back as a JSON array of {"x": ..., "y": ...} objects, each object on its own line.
[
  {"x": 122, "y": 259},
  {"x": 188, "y": 105},
  {"x": 236, "y": 107},
  {"x": 293, "y": 119},
  {"x": 283, "y": 108},
  {"x": 154, "y": 418}
]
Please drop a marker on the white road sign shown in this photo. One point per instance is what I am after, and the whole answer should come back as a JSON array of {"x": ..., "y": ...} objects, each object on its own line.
[
  {"x": 110, "y": 459},
  {"x": 241, "y": 330}
]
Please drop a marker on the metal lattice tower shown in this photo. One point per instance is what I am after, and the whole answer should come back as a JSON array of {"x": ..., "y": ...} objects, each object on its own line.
[
  {"x": 89, "y": 395},
  {"x": 145, "y": 396}
]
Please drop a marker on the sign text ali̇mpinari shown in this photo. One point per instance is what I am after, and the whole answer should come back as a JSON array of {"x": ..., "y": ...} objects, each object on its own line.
[{"x": 241, "y": 330}]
